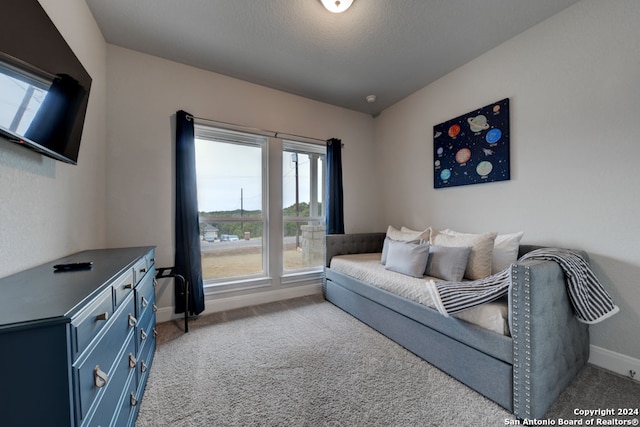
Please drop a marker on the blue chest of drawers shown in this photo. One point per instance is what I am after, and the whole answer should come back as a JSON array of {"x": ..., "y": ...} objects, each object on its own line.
[{"x": 76, "y": 346}]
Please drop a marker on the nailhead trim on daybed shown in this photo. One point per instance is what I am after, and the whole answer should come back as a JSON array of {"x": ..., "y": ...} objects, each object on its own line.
[{"x": 521, "y": 313}]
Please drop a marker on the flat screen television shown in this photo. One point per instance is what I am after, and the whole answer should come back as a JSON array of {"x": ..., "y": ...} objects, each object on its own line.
[{"x": 44, "y": 89}]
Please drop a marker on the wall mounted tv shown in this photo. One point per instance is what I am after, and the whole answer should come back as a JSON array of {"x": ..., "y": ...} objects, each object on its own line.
[{"x": 44, "y": 89}]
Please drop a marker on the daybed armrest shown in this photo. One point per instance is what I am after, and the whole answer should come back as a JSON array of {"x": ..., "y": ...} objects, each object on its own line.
[
  {"x": 550, "y": 346},
  {"x": 360, "y": 243}
]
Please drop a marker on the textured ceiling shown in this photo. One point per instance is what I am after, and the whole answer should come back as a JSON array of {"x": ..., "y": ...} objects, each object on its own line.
[{"x": 390, "y": 48}]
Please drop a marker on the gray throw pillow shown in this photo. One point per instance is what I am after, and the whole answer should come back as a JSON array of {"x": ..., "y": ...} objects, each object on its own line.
[
  {"x": 385, "y": 247},
  {"x": 407, "y": 258},
  {"x": 447, "y": 262}
]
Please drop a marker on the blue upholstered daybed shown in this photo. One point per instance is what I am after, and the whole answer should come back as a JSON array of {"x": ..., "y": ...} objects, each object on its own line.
[{"x": 523, "y": 369}]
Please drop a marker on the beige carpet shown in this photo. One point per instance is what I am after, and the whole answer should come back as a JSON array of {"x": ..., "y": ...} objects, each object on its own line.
[{"x": 304, "y": 362}]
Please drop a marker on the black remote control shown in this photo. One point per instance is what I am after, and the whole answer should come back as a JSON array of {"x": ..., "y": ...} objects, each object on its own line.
[{"x": 69, "y": 266}]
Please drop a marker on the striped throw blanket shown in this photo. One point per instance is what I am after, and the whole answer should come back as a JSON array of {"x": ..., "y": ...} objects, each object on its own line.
[{"x": 590, "y": 301}]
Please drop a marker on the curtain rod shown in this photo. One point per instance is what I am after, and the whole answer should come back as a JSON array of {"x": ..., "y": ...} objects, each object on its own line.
[{"x": 258, "y": 130}]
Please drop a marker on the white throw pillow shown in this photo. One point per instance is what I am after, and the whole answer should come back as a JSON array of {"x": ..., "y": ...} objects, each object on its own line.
[
  {"x": 406, "y": 236},
  {"x": 424, "y": 234},
  {"x": 505, "y": 251},
  {"x": 480, "y": 259}
]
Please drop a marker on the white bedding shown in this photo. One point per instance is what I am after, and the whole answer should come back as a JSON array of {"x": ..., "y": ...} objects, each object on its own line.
[{"x": 368, "y": 268}]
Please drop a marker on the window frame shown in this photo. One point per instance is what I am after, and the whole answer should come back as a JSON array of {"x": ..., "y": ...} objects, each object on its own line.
[
  {"x": 307, "y": 149},
  {"x": 273, "y": 273},
  {"x": 224, "y": 136}
]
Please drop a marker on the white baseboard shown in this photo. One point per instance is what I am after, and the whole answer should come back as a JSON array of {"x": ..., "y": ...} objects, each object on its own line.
[
  {"x": 615, "y": 362},
  {"x": 217, "y": 304}
]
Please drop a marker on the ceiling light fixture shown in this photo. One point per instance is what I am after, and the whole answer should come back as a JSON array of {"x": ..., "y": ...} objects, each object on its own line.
[{"x": 336, "y": 6}]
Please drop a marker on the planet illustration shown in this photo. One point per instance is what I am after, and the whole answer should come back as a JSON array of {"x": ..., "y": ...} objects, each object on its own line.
[
  {"x": 496, "y": 109},
  {"x": 463, "y": 155},
  {"x": 478, "y": 123},
  {"x": 454, "y": 130},
  {"x": 437, "y": 134},
  {"x": 437, "y": 163},
  {"x": 484, "y": 168},
  {"x": 445, "y": 174},
  {"x": 440, "y": 151},
  {"x": 493, "y": 136}
]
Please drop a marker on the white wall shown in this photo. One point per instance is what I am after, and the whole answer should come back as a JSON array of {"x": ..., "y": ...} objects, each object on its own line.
[
  {"x": 144, "y": 94},
  {"x": 49, "y": 209},
  {"x": 574, "y": 86}
]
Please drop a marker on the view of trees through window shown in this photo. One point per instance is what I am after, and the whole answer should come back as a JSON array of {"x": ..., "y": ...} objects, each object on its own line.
[
  {"x": 230, "y": 203},
  {"x": 303, "y": 221},
  {"x": 232, "y": 198}
]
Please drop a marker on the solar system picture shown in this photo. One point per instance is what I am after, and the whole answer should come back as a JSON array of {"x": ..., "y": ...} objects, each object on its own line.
[{"x": 472, "y": 148}]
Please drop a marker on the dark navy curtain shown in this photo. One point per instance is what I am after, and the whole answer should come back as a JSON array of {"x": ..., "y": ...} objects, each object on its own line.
[
  {"x": 187, "y": 258},
  {"x": 334, "y": 206}
]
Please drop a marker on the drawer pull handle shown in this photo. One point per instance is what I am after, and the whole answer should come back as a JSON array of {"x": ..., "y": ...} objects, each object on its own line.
[
  {"x": 144, "y": 302},
  {"x": 155, "y": 308},
  {"x": 134, "y": 401},
  {"x": 132, "y": 361},
  {"x": 155, "y": 282},
  {"x": 152, "y": 259},
  {"x": 143, "y": 366},
  {"x": 128, "y": 286},
  {"x": 103, "y": 316},
  {"x": 143, "y": 335},
  {"x": 132, "y": 321},
  {"x": 155, "y": 333},
  {"x": 143, "y": 270},
  {"x": 100, "y": 378}
]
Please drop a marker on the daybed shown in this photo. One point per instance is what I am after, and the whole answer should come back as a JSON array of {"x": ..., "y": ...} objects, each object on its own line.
[{"x": 523, "y": 369}]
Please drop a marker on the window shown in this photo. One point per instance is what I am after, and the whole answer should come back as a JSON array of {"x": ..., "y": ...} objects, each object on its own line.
[
  {"x": 302, "y": 191},
  {"x": 260, "y": 208},
  {"x": 230, "y": 170}
]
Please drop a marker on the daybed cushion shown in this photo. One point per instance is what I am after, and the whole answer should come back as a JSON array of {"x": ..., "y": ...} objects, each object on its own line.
[{"x": 368, "y": 268}]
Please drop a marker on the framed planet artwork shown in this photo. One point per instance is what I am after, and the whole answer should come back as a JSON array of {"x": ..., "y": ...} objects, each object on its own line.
[{"x": 472, "y": 148}]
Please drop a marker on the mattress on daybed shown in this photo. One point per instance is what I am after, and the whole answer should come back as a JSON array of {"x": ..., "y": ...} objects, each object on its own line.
[{"x": 367, "y": 268}]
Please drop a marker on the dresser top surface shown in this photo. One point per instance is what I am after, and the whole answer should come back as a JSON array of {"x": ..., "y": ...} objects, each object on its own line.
[{"x": 42, "y": 294}]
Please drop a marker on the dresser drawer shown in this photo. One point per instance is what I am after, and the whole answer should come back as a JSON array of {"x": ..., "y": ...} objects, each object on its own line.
[
  {"x": 128, "y": 405},
  {"x": 151, "y": 257},
  {"x": 125, "y": 370},
  {"x": 122, "y": 287},
  {"x": 146, "y": 328},
  {"x": 97, "y": 367},
  {"x": 145, "y": 292},
  {"x": 140, "y": 269},
  {"x": 145, "y": 359},
  {"x": 90, "y": 321}
]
